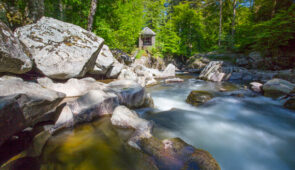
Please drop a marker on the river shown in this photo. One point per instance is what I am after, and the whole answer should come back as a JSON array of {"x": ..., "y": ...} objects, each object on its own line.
[{"x": 242, "y": 132}]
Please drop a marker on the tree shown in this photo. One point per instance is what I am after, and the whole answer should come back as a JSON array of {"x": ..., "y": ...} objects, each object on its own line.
[
  {"x": 91, "y": 14},
  {"x": 220, "y": 22},
  {"x": 36, "y": 9},
  {"x": 234, "y": 17}
]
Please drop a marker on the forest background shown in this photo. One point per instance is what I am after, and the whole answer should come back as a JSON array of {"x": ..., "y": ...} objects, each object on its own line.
[{"x": 184, "y": 28}]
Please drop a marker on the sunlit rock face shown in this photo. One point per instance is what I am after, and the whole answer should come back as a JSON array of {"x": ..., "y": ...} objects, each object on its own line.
[
  {"x": 131, "y": 94},
  {"x": 94, "y": 104},
  {"x": 73, "y": 87},
  {"x": 103, "y": 62},
  {"x": 24, "y": 104},
  {"x": 115, "y": 70},
  {"x": 14, "y": 56},
  {"x": 60, "y": 50}
]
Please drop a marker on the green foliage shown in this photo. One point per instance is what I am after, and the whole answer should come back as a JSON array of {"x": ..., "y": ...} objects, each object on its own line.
[
  {"x": 276, "y": 32},
  {"x": 155, "y": 52},
  {"x": 139, "y": 54},
  {"x": 183, "y": 27}
]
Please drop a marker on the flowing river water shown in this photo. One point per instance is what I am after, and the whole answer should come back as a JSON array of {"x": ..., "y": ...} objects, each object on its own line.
[{"x": 242, "y": 132}]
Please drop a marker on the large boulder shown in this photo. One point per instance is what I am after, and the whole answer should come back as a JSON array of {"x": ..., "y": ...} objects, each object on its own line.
[
  {"x": 13, "y": 56},
  {"x": 213, "y": 72},
  {"x": 220, "y": 71},
  {"x": 73, "y": 87},
  {"x": 93, "y": 104},
  {"x": 24, "y": 104},
  {"x": 131, "y": 94},
  {"x": 276, "y": 88},
  {"x": 103, "y": 62},
  {"x": 197, "y": 98},
  {"x": 60, "y": 50},
  {"x": 169, "y": 71}
]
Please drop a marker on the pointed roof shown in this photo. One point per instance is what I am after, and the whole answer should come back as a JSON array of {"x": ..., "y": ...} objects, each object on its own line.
[{"x": 147, "y": 31}]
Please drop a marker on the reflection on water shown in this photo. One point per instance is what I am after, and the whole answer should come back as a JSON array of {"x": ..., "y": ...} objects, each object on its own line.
[
  {"x": 96, "y": 145},
  {"x": 250, "y": 133}
]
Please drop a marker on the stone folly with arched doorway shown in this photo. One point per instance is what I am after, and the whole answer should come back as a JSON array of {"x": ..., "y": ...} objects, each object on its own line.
[{"x": 147, "y": 38}]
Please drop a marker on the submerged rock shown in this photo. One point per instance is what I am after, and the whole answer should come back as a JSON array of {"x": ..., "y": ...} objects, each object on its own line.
[
  {"x": 276, "y": 88},
  {"x": 174, "y": 80},
  {"x": 60, "y": 50},
  {"x": 226, "y": 87},
  {"x": 125, "y": 118},
  {"x": 169, "y": 153},
  {"x": 290, "y": 103},
  {"x": 24, "y": 104},
  {"x": 197, "y": 98},
  {"x": 13, "y": 56},
  {"x": 176, "y": 154}
]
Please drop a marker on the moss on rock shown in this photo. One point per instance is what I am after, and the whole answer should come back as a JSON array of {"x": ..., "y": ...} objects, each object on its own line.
[{"x": 197, "y": 97}]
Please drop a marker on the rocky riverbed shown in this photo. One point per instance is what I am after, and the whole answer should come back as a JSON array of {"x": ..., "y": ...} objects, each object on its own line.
[
  {"x": 55, "y": 114},
  {"x": 49, "y": 92}
]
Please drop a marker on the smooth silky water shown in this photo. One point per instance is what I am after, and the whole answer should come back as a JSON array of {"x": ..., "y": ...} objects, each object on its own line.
[
  {"x": 250, "y": 133},
  {"x": 242, "y": 133},
  {"x": 92, "y": 146}
]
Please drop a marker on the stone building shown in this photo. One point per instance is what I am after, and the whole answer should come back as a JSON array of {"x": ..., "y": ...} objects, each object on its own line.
[{"x": 147, "y": 38}]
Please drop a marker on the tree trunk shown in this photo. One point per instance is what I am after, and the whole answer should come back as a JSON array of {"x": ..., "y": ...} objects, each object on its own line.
[
  {"x": 61, "y": 10},
  {"x": 220, "y": 23},
  {"x": 36, "y": 8},
  {"x": 274, "y": 9},
  {"x": 91, "y": 14},
  {"x": 234, "y": 18}
]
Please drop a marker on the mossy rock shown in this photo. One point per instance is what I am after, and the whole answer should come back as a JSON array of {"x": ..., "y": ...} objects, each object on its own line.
[
  {"x": 176, "y": 154},
  {"x": 197, "y": 97},
  {"x": 227, "y": 87},
  {"x": 290, "y": 104}
]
